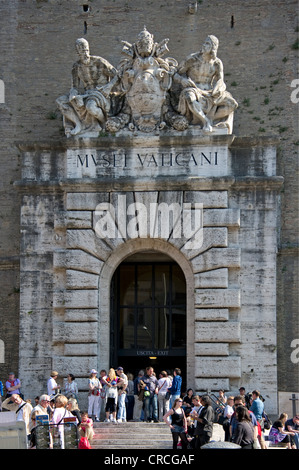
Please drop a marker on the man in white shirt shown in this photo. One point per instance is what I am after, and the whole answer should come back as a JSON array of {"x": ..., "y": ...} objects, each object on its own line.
[{"x": 52, "y": 385}]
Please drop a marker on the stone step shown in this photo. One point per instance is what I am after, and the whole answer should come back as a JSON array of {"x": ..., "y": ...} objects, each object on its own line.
[
  {"x": 131, "y": 435},
  {"x": 138, "y": 435},
  {"x": 131, "y": 426}
]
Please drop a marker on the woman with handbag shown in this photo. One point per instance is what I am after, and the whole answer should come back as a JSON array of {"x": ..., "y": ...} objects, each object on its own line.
[
  {"x": 178, "y": 424},
  {"x": 59, "y": 414},
  {"x": 94, "y": 386}
]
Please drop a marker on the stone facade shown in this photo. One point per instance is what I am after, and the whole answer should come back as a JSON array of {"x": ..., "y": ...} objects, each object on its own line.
[
  {"x": 260, "y": 56},
  {"x": 66, "y": 268}
]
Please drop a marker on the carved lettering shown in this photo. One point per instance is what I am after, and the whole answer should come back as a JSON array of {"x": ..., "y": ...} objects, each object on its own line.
[{"x": 179, "y": 159}]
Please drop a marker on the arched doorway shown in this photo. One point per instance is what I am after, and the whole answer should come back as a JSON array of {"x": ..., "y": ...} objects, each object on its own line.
[
  {"x": 153, "y": 250},
  {"x": 148, "y": 314}
]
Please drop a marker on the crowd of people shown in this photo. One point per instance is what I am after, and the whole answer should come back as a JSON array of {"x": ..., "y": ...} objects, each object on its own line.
[{"x": 117, "y": 397}]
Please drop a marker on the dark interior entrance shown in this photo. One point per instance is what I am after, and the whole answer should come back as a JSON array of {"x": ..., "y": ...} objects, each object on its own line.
[{"x": 148, "y": 315}]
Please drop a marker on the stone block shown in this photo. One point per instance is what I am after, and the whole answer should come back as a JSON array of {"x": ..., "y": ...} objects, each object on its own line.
[
  {"x": 204, "y": 385},
  {"x": 76, "y": 299},
  {"x": 74, "y": 332},
  {"x": 213, "y": 279},
  {"x": 78, "y": 315},
  {"x": 87, "y": 240},
  {"x": 221, "y": 217},
  {"x": 211, "y": 367},
  {"x": 80, "y": 349},
  {"x": 81, "y": 366},
  {"x": 85, "y": 201},
  {"x": 218, "y": 332},
  {"x": 211, "y": 314},
  {"x": 79, "y": 219},
  {"x": 217, "y": 258},
  {"x": 211, "y": 237},
  {"x": 211, "y": 349},
  {"x": 217, "y": 298},
  {"x": 209, "y": 199},
  {"x": 77, "y": 259},
  {"x": 81, "y": 280}
]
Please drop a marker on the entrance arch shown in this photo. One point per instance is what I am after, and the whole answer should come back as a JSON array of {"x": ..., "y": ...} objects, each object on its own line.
[{"x": 119, "y": 255}]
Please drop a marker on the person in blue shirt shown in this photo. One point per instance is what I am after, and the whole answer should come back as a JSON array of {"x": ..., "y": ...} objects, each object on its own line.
[
  {"x": 1, "y": 394},
  {"x": 257, "y": 407},
  {"x": 175, "y": 389}
]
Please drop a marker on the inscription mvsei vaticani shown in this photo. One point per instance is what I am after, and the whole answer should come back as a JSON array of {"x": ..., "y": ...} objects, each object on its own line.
[{"x": 147, "y": 160}]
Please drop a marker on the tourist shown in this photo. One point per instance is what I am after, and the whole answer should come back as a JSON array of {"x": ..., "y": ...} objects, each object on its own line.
[
  {"x": 94, "y": 387},
  {"x": 163, "y": 396},
  {"x": 111, "y": 381},
  {"x": 122, "y": 392},
  {"x": 40, "y": 409},
  {"x": 222, "y": 399},
  {"x": 71, "y": 387},
  {"x": 239, "y": 400},
  {"x": 244, "y": 432},
  {"x": 12, "y": 385},
  {"x": 243, "y": 393},
  {"x": 151, "y": 386},
  {"x": 1, "y": 394},
  {"x": 187, "y": 401},
  {"x": 60, "y": 413},
  {"x": 51, "y": 408},
  {"x": 130, "y": 397},
  {"x": 137, "y": 403},
  {"x": 178, "y": 424},
  {"x": 195, "y": 410},
  {"x": 175, "y": 389},
  {"x": 292, "y": 425},
  {"x": 52, "y": 385},
  {"x": 102, "y": 405},
  {"x": 85, "y": 427},
  {"x": 22, "y": 409},
  {"x": 72, "y": 406},
  {"x": 227, "y": 414},
  {"x": 257, "y": 407},
  {"x": 204, "y": 426},
  {"x": 278, "y": 434},
  {"x": 32, "y": 436}
]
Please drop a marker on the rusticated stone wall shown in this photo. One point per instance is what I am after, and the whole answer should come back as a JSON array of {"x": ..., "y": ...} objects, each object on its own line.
[{"x": 66, "y": 268}]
